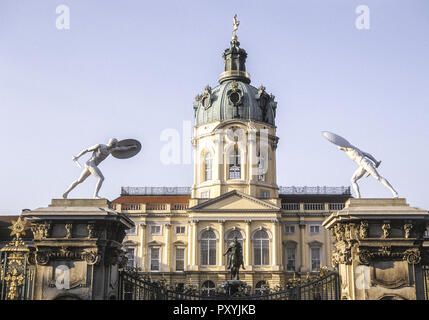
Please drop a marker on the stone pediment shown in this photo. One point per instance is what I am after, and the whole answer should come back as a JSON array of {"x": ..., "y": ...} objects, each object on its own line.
[{"x": 235, "y": 201}]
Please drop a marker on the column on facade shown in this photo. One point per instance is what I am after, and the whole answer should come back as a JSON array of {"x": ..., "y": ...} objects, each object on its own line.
[
  {"x": 326, "y": 248},
  {"x": 301, "y": 245},
  {"x": 280, "y": 251},
  {"x": 189, "y": 247},
  {"x": 168, "y": 247},
  {"x": 143, "y": 246},
  {"x": 248, "y": 243},
  {"x": 218, "y": 157},
  {"x": 274, "y": 241},
  {"x": 196, "y": 164},
  {"x": 273, "y": 169},
  {"x": 194, "y": 242},
  {"x": 221, "y": 241},
  {"x": 252, "y": 161}
]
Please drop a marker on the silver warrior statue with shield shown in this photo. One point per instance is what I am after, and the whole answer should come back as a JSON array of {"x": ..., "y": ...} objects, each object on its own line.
[
  {"x": 122, "y": 150},
  {"x": 366, "y": 162}
]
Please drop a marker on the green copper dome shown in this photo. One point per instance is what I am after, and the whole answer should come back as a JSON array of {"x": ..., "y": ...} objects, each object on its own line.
[{"x": 234, "y": 97}]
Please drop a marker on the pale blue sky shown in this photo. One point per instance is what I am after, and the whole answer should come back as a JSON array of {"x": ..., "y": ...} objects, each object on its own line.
[{"x": 130, "y": 69}]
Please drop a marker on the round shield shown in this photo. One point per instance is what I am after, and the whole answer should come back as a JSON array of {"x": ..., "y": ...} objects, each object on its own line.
[
  {"x": 336, "y": 139},
  {"x": 125, "y": 154}
]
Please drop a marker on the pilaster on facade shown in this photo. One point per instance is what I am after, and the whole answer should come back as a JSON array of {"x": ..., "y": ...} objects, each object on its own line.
[
  {"x": 302, "y": 247},
  {"x": 248, "y": 258},
  {"x": 143, "y": 246},
  {"x": 168, "y": 247},
  {"x": 221, "y": 243}
]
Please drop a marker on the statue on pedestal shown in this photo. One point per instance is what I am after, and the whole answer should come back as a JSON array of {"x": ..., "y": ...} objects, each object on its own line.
[
  {"x": 122, "y": 150},
  {"x": 367, "y": 163},
  {"x": 234, "y": 258}
]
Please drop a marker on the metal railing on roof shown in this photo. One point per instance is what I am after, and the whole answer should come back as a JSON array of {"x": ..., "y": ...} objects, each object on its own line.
[
  {"x": 315, "y": 190},
  {"x": 156, "y": 191},
  {"x": 147, "y": 191}
]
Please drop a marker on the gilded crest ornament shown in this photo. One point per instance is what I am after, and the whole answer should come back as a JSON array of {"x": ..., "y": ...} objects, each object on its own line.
[{"x": 18, "y": 227}]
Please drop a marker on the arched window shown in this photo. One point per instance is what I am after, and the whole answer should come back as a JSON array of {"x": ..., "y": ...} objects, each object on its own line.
[
  {"x": 234, "y": 164},
  {"x": 208, "y": 166},
  {"x": 208, "y": 248},
  {"x": 231, "y": 235},
  {"x": 261, "y": 287},
  {"x": 261, "y": 248},
  {"x": 208, "y": 288}
]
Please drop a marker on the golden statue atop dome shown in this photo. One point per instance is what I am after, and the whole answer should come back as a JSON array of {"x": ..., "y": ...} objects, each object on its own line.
[{"x": 235, "y": 24}]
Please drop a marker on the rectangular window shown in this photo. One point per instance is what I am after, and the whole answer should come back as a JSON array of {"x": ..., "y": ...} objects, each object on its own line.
[
  {"x": 290, "y": 259},
  {"x": 234, "y": 164},
  {"x": 131, "y": 258},
  {"x": 204, "y": 195},
  {"x": 180, "y": 229},
  {"x": 289, "y": 229},
  {"x": 261, "y": 252},
  {"x": 155, "y": 229},
  {"x": 315, "y": 259},
  {"x": 264, "y": 194},
  {"x": 208, "y": 252},
  {"x": 180, "y": 259},
  {"x": 131, "y": 231},
  {"x": 314, "y": 229},
  {"x": 154, "y": 259}
]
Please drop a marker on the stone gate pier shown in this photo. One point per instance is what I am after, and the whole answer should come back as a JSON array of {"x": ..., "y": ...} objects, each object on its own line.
[
  {"x": 77, "y": 249},
  {"x": 381, "y": 252}
]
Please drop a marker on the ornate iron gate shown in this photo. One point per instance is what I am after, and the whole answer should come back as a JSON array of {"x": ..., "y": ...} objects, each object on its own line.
[
  {"x": 132, "y": 287},
  {"x": 16, "y": 273}
]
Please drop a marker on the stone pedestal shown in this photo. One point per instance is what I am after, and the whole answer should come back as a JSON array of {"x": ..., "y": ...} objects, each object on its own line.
[
  {"x": 380, "y": 249},
  {"x": 78, "y": 249}
]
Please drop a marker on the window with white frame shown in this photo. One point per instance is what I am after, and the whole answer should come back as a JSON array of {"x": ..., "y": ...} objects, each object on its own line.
[
  {"x": 289, "y": 229},
  {"x": 154, "y": 259},
  {"x": 208, "y": 166},
  {"x": 291, "y": 258},
  {"x": 261, "y": 248},
  {"x": 180, "y": 229},
  {"x": 315, "y": 257},
  {"x": 314, "y": 229},
  {"x": 180, "y": 259},
  {"x": 131, "y": 257},
  {"x": 155, "y": 229},
  {"x": 234, "y": 162},
  {"x": 208, "y": 248}
]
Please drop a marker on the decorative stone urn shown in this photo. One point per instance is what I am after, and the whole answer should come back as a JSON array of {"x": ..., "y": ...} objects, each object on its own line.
[
  {"x": 380, "y": 249},
  {"x": 78, "y": 249}
]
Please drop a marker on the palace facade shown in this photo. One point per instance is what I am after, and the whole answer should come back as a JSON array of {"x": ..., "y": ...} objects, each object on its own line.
[{"x": 181, "y": 234}]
